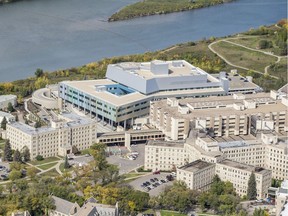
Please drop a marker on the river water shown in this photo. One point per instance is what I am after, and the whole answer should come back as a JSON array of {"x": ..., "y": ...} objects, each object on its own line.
[{"x": 58, "y": 34}]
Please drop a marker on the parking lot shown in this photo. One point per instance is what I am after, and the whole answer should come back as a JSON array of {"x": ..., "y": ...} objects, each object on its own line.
[
  {"x": 3, "y": 170},
  {"x": 80, "y": 160},
  {"x": 125, "y": 165},
  {"x": 156, "y": 190}
]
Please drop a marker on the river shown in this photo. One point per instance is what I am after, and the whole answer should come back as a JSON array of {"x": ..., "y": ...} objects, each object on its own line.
[{"x": 58, "y": 34}]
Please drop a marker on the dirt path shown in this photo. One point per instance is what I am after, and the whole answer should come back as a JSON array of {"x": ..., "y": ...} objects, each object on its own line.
[{"x": 238, "y": 66}]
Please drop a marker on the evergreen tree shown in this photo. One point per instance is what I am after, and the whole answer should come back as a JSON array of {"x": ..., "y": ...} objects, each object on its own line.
[
  {"x": 17, "y": 156},
  {"x": 10, "y": 107},
  {"x": 39, "y": 72},
  {"x": 4, "y": 123},
  {"x": 37, "y": 124},
  {"x": 7, "y": 151},
  {"x": 66, "y": 164},
  {"x": 25, "y": 154},
  {"x": 252, "y": 191}
]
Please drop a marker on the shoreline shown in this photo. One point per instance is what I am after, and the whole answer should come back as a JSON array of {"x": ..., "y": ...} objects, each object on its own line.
[
  {"x": 195, "y": 52},
  {"x": 125, "y": 13}
]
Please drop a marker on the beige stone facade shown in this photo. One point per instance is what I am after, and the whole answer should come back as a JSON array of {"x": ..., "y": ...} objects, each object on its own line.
[
  {"x": 160, "y": 155},
  {"x": 219, "y": 116},
  {"x": 56, "y": 140},
  {"x": 197, "y": 175},
  {"x": 238, "y": 174}
]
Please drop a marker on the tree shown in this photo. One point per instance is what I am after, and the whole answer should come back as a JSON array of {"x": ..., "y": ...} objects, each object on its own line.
[
  {"x": 7, "y": 151},
  {"x": 14, "y": 175},
  {"x": 39, "y": 72},
  {"x": 39, "y": 158},
  {"x": 98, "y": 152},
  {"x": 66, "y": 163},
  {"x": 17, "y": 156},
  {"x": 10, "y": 107},
  {"x": 260, "y": 212},
  {"x": 25, "y": 154},
  {"x": 31, "y": 172},
  {"x": 263, "y": 44},
  {"x": 37, "y": 124},
  {"x": 4, "y": 123},
  {"x": 252, "y": 191},
  {"x": 41, "y": 82}
]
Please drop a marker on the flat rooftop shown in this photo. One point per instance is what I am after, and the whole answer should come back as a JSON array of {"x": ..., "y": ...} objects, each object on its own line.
[
  {"x": 5, "y": 114},
  {"x": 7, "y": 97},
  {"x": 273, "y": 105},
  {"x": 242, "y": 166},
  {"x": 237, "y": 82},
  {"x": 179, "y": 144},
  {"x": 69, "y": 119},
  {"x": 175, "y": 68},
  {"x": 89, "y": 87},
  {"x": 196, "y": 166}
]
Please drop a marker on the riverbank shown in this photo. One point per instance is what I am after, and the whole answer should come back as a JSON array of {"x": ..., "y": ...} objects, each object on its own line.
[
  {"x": 158, "y": 7},
  {"x": 244, "y": 55},
  {"x": 7, "y": 1}
]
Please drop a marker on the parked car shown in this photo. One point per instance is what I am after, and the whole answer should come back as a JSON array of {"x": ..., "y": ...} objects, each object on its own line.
[
  {"x": 4, "y": 177},
  {"x": 156, "y": 179},
  {"x": 163, "y": 181},
  {"x": 169, "y": 177},
  {"x": 156, "y": 172},
  {"x": 173, "y": 174},
  {"x": 152, "y": 180}
]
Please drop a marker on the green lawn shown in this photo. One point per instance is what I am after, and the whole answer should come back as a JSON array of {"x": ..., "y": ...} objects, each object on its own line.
[
  {"x": 65, "y": 170},
  {"x": 279, "y": 69},
  {"x": 50, "y": 173},
  {"x": 85, "y": 151},
  {"x": 46, "y": 160},
  {"x": 244, "y": 57},
  {"x": 2, "y": 143},
  {"x": 253, "y": 42},
  {"x": 171, "y": 213},
  {"x": 132, "y": 174},
  {"x": 47, "y": 166}
]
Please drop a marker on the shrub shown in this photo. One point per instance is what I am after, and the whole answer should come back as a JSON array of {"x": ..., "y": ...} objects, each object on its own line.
[{"x": 39, "y": 158}]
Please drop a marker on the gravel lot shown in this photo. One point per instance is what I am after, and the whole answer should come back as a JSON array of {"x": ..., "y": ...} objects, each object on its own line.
[{"x": 155, "y": 191}]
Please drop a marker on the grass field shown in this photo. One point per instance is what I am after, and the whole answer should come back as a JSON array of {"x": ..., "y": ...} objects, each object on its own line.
[
  {"x": 47, "y": 166},
  {"x": 279, "y": 69},
  {"x": 51, "y": 173},
  {"x": 46, "y": 160},
  {"x": 244, "y": 57},
  {"x": 253, "y": 42},
  {"x": 65, "y": 170},
  {"x": 171, "y": 213}
]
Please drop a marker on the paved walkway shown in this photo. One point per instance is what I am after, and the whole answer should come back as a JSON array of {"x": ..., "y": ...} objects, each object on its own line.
[
  {"x": 237, "y": 66},
  {"x": 56, "y": 166}
]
